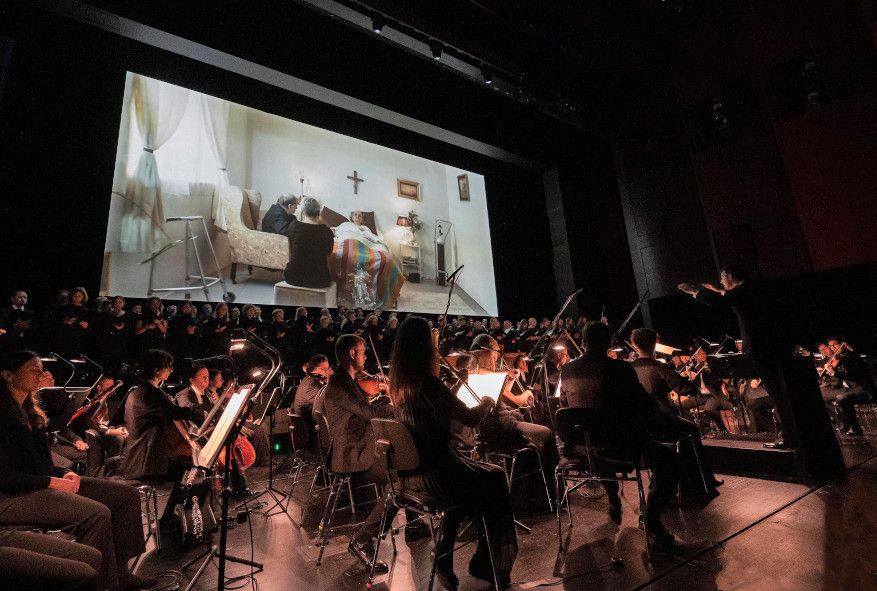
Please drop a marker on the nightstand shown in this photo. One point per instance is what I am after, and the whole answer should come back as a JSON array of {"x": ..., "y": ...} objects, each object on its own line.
[{"x": 411, "y": 261}]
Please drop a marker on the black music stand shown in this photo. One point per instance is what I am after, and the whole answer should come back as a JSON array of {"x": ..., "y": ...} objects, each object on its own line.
[
  {"x": 227, "y": 430},
  {"x": 733, "y": 367},
  {"x": 270, "y": 411}
]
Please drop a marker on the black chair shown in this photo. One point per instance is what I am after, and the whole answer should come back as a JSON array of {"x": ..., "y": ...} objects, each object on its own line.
[
  {"x": 337, "y": 483},
  {"x": 585, "y": 434},
  {"x": 302, "y": 433},
  {"x": 395, "y": 451}
]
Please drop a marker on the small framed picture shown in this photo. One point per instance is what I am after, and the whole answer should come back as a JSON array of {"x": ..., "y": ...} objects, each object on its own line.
[
  {"x": 408, "y": 189},
  {"x": 463, "y": 186}
]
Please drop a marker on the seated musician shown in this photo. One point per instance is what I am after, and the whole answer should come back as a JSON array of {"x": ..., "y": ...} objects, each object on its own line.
[
  {"x": 427, "y": 407},
  {"x": 111, "y": 438},
  {"x": 149, "y": 413},
  {"x": 664, "y": 424},
  {"x": 348, "y": 412},
  {"x": 197, "y": 394},
  {"x": 596, "y": 381},
  {"x": 102, "y": 514},
  {"x": 855, "y": 384},
  {"x": 506, "y": 428},
  {"x": 317, "y": 373}
]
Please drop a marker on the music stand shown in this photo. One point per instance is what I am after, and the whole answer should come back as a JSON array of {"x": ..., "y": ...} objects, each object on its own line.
[
  {"x": 732, "y": 367},
  {"x": 270, "y": 411},
  {"x": 227, "y": 430}
]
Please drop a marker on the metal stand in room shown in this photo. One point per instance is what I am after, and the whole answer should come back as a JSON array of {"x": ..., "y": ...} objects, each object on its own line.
[
  {"x": 277, "y": 496},
  {"x": 240, "y": 340},
  {"x": 540, "y": 367},
  {"x": 227, "y": 430},
  {"x": 191, "y": 239}
]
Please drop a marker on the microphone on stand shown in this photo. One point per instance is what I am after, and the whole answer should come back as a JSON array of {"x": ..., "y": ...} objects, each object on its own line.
[{"x": 454, "y": 274}]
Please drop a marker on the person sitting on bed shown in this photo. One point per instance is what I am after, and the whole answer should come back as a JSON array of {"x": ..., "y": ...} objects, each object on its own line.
[{"x": 310, "y": 245}]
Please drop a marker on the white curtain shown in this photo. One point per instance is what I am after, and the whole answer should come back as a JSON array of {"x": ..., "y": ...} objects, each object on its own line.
[
  {"x": 215, "y": 114},
  {"x": 158, "y": 109}
]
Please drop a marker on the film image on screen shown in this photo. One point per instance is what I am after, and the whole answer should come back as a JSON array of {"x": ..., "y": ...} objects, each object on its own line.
[{"x": 196, "y": 175}]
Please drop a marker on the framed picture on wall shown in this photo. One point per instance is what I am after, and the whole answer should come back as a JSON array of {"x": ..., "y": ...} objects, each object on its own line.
[
  {"x": 408, "y": 189},
  {"x": 463, "y": 186}
]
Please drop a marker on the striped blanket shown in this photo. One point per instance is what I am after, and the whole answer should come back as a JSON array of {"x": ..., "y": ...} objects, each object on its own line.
[{"x": 385, "y": 276}]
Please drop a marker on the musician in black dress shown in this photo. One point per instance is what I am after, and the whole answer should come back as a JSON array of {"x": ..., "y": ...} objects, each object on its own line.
[
  {"x": 102, "y": 514},
  {"x": 184, "y": 334},
  {"x": 72, "y": 325},
  {"x": 216, "y": 331},
  {"x": 424, "y": 404}
]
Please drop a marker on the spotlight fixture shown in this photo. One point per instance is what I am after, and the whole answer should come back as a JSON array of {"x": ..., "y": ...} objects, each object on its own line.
[
  {"x": 436, "y": 48},
  {"x": 487, "y": 74},
  {"x": 378, "y": 23}
]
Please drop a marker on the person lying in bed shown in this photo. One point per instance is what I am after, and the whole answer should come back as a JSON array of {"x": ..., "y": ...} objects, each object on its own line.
[
  {"x": 310, "y": 245},
  {"x": 357, "y": 230}
]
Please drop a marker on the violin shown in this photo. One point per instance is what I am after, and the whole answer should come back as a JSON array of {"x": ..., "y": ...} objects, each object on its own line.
[
  {"x": 319, "y": 378},
  {"x": 373, "y": 385}
]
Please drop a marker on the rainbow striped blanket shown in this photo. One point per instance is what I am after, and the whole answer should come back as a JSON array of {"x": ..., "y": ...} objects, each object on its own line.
[{"x": 385, "y": 275}]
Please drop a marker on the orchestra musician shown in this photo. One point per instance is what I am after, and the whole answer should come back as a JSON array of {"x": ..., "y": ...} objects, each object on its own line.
[
  {"x": 853, "y": 382},
  {"x": 348, "y": 413},
  {"x": 596, "y": 381},
  {"x": 427, "y": 407},
  {"x": 317, "y": 373},
  {"x": 664, "y": 424},
  {"x": 506, "y": 428},
  {"x": 763, "y": 337},
  {"x": 103, "y": 514},
  {"x": 149, "y": 412}
]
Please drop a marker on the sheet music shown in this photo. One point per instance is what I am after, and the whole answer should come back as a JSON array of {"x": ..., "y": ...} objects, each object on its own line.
[
  {"x": 210, "y": 451},
  {"x": 485, "y": 385}
]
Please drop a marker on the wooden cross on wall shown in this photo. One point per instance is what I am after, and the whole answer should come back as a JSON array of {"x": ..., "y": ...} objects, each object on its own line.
[{"x": 356, "y": 180}]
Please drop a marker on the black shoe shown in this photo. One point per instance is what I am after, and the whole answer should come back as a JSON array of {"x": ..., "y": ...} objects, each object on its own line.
[
  {"x": 716, "y": 483},
  {"x": 778, "y": 444},
  {"x": 446, "y": 577},
  {"x": 132, "y": 582},
  {"x": 854, "y": 431},
  {"x": 660, "y": 536},
  {"x": 614, "y": 512},
  {"x": 482, "y": 571},
  {"x": 365, "y": 552},
  {"x": 416, "y": 531}
]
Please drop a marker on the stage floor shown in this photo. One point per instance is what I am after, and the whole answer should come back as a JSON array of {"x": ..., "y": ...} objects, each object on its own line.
[{"x": 758, "y": 534}]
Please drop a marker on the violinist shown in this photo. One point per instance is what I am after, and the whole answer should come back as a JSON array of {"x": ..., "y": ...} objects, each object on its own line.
[
  {"x": 662, "y": 422},
  {"x": 855, "y": 385},
  {"x": 348, "y": 413},
  {"x": 506, "y": 427},
  {"x": 317, "y": 373}
]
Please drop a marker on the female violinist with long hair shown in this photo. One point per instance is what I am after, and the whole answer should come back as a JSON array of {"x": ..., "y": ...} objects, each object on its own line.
[{"x": 426, "y": 406}]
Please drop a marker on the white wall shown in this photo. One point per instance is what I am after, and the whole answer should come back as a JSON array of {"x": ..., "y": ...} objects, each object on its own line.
[
  {"x": 472, "y": 243},
  {"x": 280, "y": 149}
]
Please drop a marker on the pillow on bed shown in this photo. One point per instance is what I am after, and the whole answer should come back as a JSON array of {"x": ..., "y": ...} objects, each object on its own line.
[
  {"x": 332, "y": 218},
  {"x": 368, "y": 220}
]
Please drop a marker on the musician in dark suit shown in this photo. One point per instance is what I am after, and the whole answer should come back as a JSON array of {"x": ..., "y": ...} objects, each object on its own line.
[
  {"x": 665, "y": 425},
  {"x": 596, "y": 381},
  {"x": 148, "y": 415},
  {"x": 197, "y": 395},
  {"x": 280, "y": 217},
  {"x": 19, "y": 323},
  {"x": 348, "y": 412}
]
